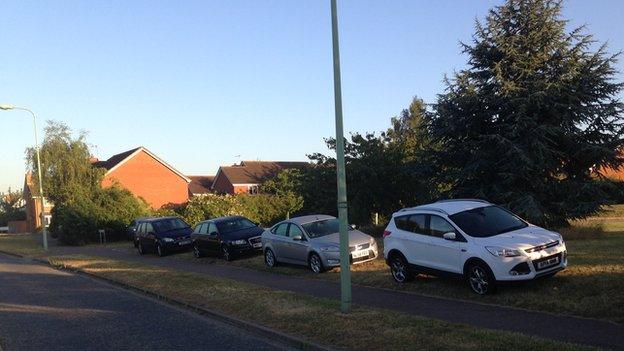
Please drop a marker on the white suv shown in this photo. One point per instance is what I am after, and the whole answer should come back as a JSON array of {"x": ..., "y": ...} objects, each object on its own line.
[{"x": 474, "y": 239}]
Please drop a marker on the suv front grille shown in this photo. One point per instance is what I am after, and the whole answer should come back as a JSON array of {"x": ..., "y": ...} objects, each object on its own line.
[
  {"x": 359, "y": 247},
  {"x": 542, "y": 247}
]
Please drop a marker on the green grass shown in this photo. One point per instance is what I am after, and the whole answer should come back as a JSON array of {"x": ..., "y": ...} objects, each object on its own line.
[
  {"x": 592, "y": 286},
  {"x": 314, "y": 319},
  {"x": 21, "y": 244}
]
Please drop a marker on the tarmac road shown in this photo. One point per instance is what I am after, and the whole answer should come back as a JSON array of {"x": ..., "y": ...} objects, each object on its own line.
[{"x": 45, "y": 309}]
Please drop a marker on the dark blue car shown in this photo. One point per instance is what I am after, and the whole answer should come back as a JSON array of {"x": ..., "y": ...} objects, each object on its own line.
[
  {"x": 229, "y": 237},
  {"x": 162, "y": 235}
]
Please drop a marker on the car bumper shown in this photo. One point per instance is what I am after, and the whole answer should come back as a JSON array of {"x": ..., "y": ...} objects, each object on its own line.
[
  {"x": 332, "y": 259},
  {"x": 178, "y": 245},
  {"x": 530, "y": 266},
  {"x": 244, "y": 250}
]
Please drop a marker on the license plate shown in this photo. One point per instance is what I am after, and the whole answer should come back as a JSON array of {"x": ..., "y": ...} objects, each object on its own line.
[
  {"x": 358, "y": 254},
  {"x": 257, "y": 245},
  {"x": 550, "y": 262},
  {"x": 184, "y": 242}
]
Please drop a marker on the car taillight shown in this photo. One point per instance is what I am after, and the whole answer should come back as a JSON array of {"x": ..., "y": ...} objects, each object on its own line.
[{"x": 386, "y": 233}]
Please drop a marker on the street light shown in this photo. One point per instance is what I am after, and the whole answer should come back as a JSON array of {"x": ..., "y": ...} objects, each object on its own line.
[
  {"x": 7, "y": 107},
  {"x": 345, "y": 273}
]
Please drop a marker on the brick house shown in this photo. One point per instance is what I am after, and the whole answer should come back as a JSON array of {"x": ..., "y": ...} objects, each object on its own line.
[
  {"x": 248, "y": 175},
  {"x": 33, "y": 206},
  {"x": 146, "y": 176}
]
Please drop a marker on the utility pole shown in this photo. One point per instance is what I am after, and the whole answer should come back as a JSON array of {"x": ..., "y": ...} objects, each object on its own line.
[{"x": 345, "y": 273}]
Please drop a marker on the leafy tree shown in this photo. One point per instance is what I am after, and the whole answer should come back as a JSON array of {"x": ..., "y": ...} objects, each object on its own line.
[
  {"x": 410, "y": 131},
  {"x": 66, "y": 170},
  {"x": 81, "y": 205},
  {"x": 532, "y": 117},
  {"x": 12, "y": 207}
]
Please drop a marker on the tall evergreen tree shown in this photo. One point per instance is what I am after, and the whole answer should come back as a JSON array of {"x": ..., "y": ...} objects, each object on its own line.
[{"x": 533, "y": 115}]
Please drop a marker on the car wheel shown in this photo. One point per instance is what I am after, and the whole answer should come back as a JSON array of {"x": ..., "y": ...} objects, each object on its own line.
[
  {"x": 197, "y": 252},
  {"x": 399, "y": 269},
  {"x": 225, "y": 253},
  {"x": 315, "y": 263},
  {"x": 160, "y": 250},
  {"x": 481, "y": 279},
  {"x": 140, "y": 249},
  {"x": 269, "y": 258}
]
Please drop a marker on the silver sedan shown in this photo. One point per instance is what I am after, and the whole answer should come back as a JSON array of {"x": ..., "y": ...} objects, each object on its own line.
[{"x": 314, "y": 241}]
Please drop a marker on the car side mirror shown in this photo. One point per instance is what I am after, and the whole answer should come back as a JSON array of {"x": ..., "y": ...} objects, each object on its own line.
[
  {"x": 352, "y": 226},
  {"x": 297, "y": 238},
  {"x": 213, "y": 233},
  {"x": 449, "y": 236},
  {"x": 151, "y": 233}
]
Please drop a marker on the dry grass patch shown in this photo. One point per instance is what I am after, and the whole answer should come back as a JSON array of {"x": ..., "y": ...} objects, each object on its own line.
[{"x": 315, "y": 319}]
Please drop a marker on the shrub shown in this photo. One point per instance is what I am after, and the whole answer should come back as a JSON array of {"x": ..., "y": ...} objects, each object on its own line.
[
  {"x": 262, "y": 208},
  {"x": 77, "y": 222}
]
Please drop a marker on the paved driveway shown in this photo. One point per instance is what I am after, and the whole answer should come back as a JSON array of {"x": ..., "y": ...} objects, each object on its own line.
[{"x": 45, "y": 309}]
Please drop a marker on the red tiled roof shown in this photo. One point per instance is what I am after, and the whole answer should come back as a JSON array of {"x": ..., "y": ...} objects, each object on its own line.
[
  {"x": 200, "y": 184},
  {"x": 114, "y": 160},
  {"x": 255, "y": 172}
]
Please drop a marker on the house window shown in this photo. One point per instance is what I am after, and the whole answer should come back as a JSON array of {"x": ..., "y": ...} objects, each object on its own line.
[
  {"x": 252, "y": 189},
  {"x": 47, "y": 219}
]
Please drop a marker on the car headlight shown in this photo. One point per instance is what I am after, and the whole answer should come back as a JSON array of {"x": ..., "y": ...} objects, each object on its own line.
[
  {"x": 239, "y": 242},
  {"x": 167, "y": 240},
  {"x": 502, "y": 252},
  {"x": 330, "y": 248}
]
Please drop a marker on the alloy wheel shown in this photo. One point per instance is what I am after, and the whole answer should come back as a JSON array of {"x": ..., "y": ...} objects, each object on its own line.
[
  {"x": 315, "y": 264},
  {"x": 399, "y": 270},
  {"x": 479, "y": 281},
  {"x": 226, "y": 253},
  {"x": 269, "y": 258}
]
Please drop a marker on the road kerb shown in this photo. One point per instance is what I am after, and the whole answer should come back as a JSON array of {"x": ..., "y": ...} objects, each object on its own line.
[{"x": 239, "y": 323}]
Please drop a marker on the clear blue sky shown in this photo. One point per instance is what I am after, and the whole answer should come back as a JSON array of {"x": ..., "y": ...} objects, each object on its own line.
[{"x": 199, "y": 82}]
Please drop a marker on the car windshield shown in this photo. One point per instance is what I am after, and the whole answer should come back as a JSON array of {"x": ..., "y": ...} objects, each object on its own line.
[
  {"x": 321, "y": 228},
  {"x": 487, "y": 221},
  {"x": 234, "y": 224},
  {"x": 169, "y": 224}
]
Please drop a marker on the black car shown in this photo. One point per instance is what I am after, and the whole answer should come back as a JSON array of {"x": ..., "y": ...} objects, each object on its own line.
[
  {"x": 162, "y": 235},
  {"x": 228, "y": 236},
  {"x": 132, "y": 229}
]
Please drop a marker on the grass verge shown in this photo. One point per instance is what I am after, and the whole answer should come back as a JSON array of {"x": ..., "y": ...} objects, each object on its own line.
[
  {"x": 592, "y": 286},
  {"x": 314, "y": 319},
  {"x": 21, "y": 244}
]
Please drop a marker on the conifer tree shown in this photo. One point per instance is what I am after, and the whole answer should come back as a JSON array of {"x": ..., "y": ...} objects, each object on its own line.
[{"x": 533, "y": 115}]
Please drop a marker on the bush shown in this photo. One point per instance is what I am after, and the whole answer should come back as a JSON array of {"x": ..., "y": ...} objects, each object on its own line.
[
  {"x": 77, "y": 222},
  {"x": 262, "y": 208}
]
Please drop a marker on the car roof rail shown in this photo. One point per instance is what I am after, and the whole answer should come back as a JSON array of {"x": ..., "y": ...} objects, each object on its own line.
[
  {"x": 473, "y": 200},
  {"x": 425, "y": 208}
]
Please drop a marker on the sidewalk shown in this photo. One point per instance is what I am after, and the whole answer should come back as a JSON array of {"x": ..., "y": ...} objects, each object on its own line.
[{"x": 585, "y": 331}]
